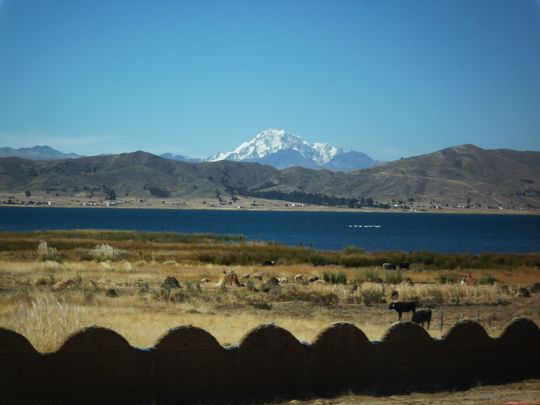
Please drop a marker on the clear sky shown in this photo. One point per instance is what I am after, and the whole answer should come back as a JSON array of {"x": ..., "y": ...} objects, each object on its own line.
[{"x": 390, "y": 78}]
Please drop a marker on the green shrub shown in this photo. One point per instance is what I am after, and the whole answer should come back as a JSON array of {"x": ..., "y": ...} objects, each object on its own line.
[
  {"x": 392, "y": 277},
  {"x": 447, "y": 278},
  {"x": 487, "y": 279},
  {"x": 335, "y": 278},
  {"x": 372, "y": 296}
]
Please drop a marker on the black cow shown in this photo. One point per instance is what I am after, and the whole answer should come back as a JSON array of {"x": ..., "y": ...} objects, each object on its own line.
[
  {"x": 269, "y": 263},
  {"x": 406, "y": 306},
  {"x": 422, "y": 316}
]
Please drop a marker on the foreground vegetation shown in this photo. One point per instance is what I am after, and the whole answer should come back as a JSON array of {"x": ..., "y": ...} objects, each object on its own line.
[
  {"x": 54, "y": 283},
  {"x": 235, "y": 250}
]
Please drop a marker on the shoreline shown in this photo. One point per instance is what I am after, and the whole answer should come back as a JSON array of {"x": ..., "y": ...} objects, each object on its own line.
[{"x": 245, "y": 205}]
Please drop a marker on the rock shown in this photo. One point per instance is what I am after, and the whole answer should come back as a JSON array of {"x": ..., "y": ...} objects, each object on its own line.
[
  {"x": 170, "y": 283},
  {"x": 523, "y": 292},
  {"x": 535, "y": 288},
  {"x": 204, "y": 280},
  {"x": 64, "y": 285},
  {"x": 312, "y": 279},
  {"x": 272, "y": 281},
  {"x": 408, "y": 281},
  {"x": 229, "y": 278},
  {"x": 111, "y": 293},
  {"x": 299, "y": 279},
  {"x": 90, "y": 285},
  {"x": 256, "y": 276}
]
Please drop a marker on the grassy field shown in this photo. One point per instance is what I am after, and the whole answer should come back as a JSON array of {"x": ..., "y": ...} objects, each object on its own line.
[{"x": 55, "y": 283}]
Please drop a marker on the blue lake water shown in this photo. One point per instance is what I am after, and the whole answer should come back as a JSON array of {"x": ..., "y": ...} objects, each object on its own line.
[{"x": 323, "y": 230}]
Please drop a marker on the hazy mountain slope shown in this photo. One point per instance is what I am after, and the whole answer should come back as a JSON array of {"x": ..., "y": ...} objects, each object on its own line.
[
  {"x": 462, "y": 175},
  {"x": 36, "y": 153},
  {"x": 349, "y": 161},
  {"x": 130, "y": 174}
]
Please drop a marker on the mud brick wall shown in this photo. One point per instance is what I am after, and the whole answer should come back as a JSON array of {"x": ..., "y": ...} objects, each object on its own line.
[{"x": 188, "y": 365}]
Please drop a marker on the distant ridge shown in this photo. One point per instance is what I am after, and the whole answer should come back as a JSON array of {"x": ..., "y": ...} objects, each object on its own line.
[
  {"x": 464, "y": 175},
  {"x": 37, "y": 152}
]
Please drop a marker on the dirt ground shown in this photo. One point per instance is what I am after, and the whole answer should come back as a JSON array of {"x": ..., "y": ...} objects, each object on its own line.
[{"x": 525, "y": 392}]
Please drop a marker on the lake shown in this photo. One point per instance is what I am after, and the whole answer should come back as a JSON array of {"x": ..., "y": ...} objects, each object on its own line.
[{"x": 323, "y": 230}]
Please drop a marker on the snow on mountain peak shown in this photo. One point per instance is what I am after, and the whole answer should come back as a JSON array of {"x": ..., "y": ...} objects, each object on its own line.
[{"x": 272, "y": 141}]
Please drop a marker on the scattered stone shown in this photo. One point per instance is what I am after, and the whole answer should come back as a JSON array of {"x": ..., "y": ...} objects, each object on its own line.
[
  {"x": 256, "y": 276},
  {"x": 523, "y": 292},
  {"x": 245, "y": 276},
  {"x": 312, "y": 279},
  {"x": 143, "y": 287},
  {"x": 204, "y": 280},
  {"x": 408, "y": 281},
  {"x": 535, "y": 288},
  {"x": 283, "y": 280},
  {"x": 64, "y": 285},
  {"x": 111, "y": 293},
  {"x": 272, "y": 282},
  {"x": 229, "y": 278},
  {"x": 170, "y": 283},
  {"x": 299, "y": 279},
  {"x": 90, "y": 285}
]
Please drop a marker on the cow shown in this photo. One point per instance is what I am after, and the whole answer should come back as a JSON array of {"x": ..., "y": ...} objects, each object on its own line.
[
  {"x": 422, "y": 316},
  {"x": 403, "y": 306}
]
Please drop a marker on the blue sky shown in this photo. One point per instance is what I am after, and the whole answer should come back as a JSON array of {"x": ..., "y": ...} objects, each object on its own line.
[{"x": 390, "y": 78}]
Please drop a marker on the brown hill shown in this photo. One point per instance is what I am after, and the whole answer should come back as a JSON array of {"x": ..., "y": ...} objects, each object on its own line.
[{"x": 461, "y": 175}]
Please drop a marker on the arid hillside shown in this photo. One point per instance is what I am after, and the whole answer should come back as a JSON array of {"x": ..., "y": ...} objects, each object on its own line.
[{"x": 462, "y": 176}]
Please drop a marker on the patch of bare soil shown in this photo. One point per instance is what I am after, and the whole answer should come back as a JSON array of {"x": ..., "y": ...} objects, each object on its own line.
[{"x": 526, "y": 392}]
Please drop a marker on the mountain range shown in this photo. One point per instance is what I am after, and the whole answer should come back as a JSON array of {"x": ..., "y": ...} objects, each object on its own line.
[
  {"x": 37, "y": 153},
  {"x": 274, "y": 147},
  {"x": 464, "y": 175},
  {"x": 281, "y": 149}
]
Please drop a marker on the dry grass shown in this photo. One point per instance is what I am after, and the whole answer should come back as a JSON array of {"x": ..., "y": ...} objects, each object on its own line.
[{"x": 51, "y": 290}]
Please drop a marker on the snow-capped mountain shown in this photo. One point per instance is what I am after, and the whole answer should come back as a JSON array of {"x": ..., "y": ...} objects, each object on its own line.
[
  {"x": 275, "y": 140},
  {"x": 180, "y": 158},
  {"x": 281, "y": 149}
]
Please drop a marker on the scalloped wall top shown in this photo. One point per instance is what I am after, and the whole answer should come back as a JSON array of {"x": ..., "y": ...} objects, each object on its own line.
[
  {"x": 13, "y": 342},
  {"x": 406, "y": 332},
  {"x": 520, "y": 328},
  {"x": 187, "y": 338},
  {"x": 467, "y": 331},
  {"x": 92, "y": 339},
  {"x": 341, "y": 335},
  {"x": 267, "y": 336}
]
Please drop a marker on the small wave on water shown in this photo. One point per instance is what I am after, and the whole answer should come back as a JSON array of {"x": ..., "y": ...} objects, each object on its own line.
[{"x": 365, "y": 226}]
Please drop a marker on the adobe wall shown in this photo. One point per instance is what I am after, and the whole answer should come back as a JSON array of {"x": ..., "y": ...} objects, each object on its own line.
[{"x": 189, "y": 365}]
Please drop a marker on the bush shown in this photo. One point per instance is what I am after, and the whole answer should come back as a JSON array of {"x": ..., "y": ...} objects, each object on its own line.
[
  {"x": 46, "y": 252},
  {"x": 487, "y": 279},
  {"x": 372, "y": 296},
  {"x": 335, "y": 278},
  {"x": 368, "y": 275},
  {"x": 105, "y": 252},
  {"x": 447, "y": 278},
  {"x": 393, "y": 277}
]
